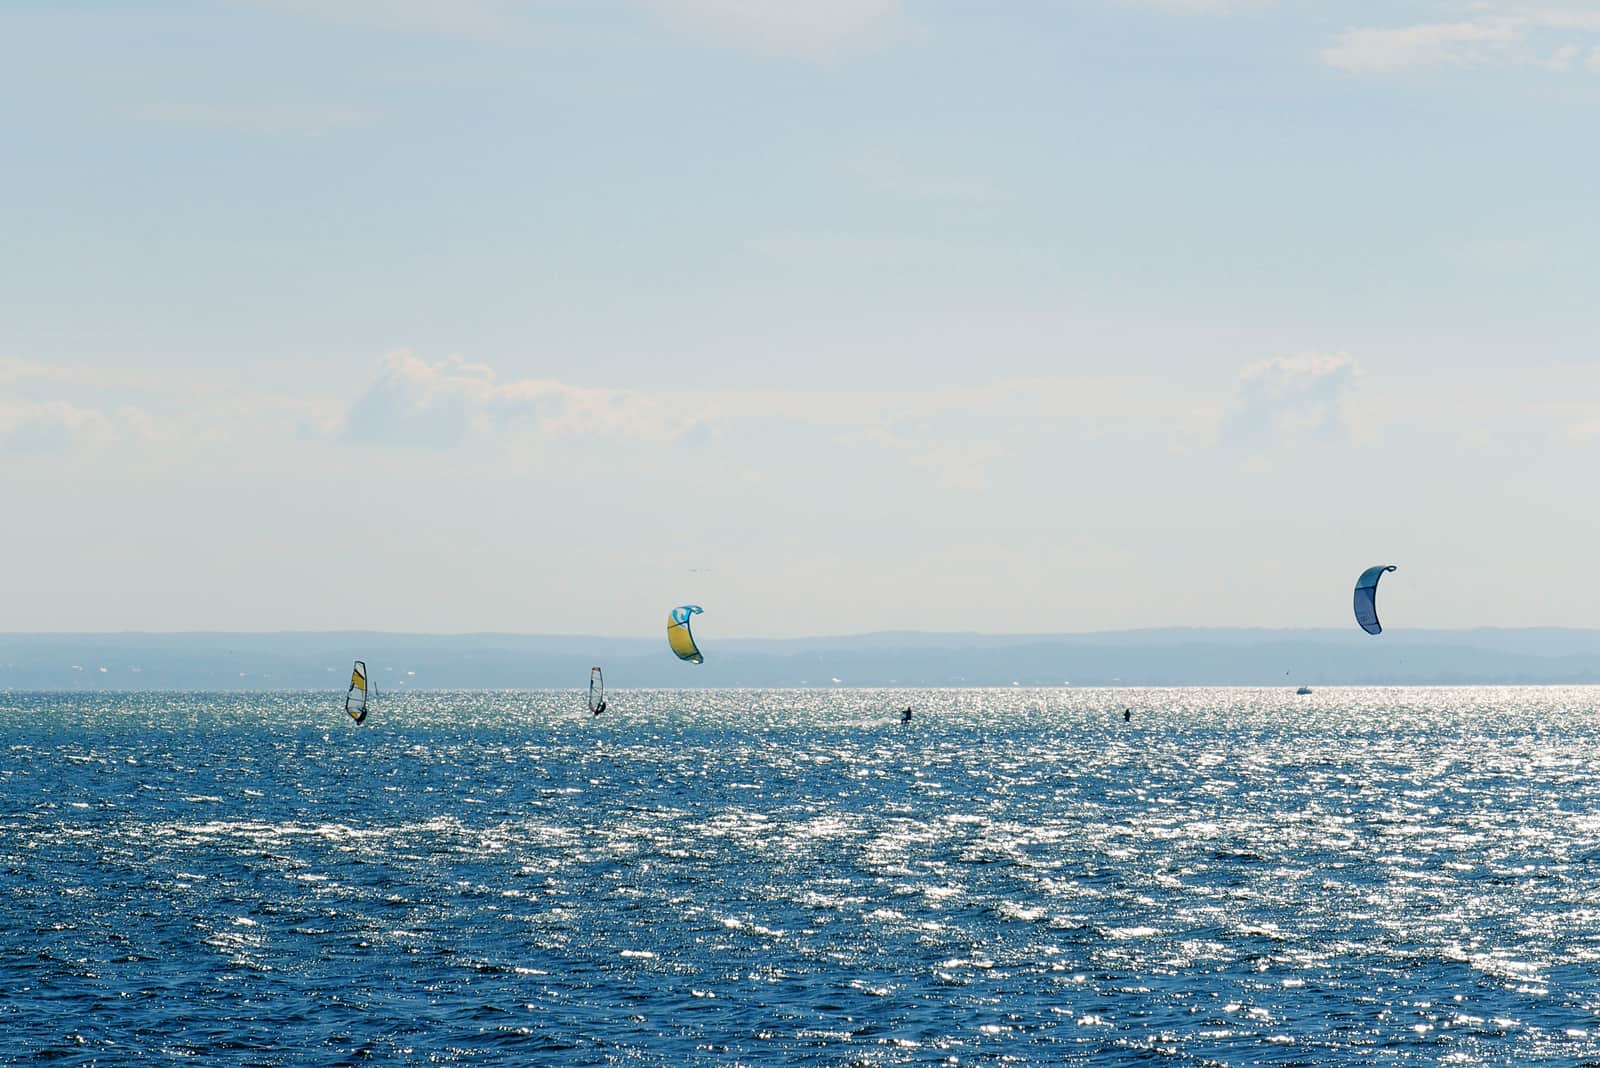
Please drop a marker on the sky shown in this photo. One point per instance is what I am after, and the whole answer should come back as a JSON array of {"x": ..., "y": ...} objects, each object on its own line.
[{"x": 852, "y": 315}]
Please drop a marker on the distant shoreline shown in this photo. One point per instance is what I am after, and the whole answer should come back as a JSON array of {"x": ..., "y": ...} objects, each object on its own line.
[{"x": 314, "y": 661}]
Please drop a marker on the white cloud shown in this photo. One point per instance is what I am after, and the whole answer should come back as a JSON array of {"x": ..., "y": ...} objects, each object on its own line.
[
  {"x": 1484, "y": 410},
  {"x": 51, "y": 408},
  {"x": 1584, "y": 432},
  {"x": 1289, "y": 401},
  {"x": 1445, "y": 44},
  {"x": 54, "y": 427},
  {"x": 1486, "y": 36},
  {"x": 14, "y": 371},
  {"x": 437, "y": 405},
  {"x": 186, "y": 417},
  {"x": 51, "y": 427},
  {"x": 36, "y": 419},
  {"x": 951, "y": 438}
]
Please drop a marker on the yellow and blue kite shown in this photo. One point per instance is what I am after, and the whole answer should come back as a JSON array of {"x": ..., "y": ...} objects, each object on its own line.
[{"x": 678, "y": 635}]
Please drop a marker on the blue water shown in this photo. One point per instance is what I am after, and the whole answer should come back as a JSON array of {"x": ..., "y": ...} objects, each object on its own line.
[{"x": 1017, "y": 877}]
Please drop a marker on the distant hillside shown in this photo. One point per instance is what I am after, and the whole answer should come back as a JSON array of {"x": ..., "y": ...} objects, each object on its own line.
[{"x": 310, "y": 660}]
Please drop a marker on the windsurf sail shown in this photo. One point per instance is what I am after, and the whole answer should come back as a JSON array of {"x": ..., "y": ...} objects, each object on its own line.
[
  {"x": 678, "y": 635},
  {"x": 1367, "y": 598},
  {"x": 355, "y": 701},
  {"x": 597, "y": 691}
]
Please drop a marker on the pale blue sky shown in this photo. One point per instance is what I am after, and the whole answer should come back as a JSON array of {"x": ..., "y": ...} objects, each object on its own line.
[{"x": 836, "y": 316}]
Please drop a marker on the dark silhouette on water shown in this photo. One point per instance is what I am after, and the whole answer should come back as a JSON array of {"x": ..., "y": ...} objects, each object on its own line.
[
  {"x": 905, "y": 715},
  {"x": 1127, "y": 715}
]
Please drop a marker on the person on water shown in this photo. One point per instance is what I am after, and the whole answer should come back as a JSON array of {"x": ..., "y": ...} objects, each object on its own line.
[
  {"x": 599, "y": 708},
  {"x": 905, "y": 715},
  {"x": 1127, "y": 715}
]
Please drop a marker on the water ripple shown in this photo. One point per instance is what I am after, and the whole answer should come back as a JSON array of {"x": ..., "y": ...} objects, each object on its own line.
[{"x": 1365, "y": 876}]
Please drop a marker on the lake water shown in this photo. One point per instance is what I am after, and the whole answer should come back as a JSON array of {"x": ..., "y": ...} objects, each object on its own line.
[{"x": 1361, "y": 876}]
